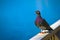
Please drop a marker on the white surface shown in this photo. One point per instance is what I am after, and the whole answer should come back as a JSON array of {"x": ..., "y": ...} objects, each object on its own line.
[
  {"x": 55, "y": 25},
  {"x": 39, "y": 36}
]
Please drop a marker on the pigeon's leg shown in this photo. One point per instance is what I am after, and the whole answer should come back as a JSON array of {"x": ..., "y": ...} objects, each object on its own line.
[
  {"x": 44, "y": 31},
  {"x": 41, "y": 30}
]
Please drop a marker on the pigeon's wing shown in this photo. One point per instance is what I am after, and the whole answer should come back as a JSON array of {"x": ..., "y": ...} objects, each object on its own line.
[{"x": 45, "y": 24}]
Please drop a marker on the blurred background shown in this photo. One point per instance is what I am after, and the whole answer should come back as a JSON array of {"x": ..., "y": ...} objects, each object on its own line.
[{"x": 17, "y": 17}]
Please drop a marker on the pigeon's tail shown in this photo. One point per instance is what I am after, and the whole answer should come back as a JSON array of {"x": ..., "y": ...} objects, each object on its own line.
[{"x": 50, "y": 30}]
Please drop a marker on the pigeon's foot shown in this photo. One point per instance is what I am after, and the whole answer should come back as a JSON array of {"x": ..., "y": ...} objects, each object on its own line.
[{"x": 43, "y": 32}]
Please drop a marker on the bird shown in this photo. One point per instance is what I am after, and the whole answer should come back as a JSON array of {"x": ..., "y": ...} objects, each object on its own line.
[{"x": 41, "y": 22}]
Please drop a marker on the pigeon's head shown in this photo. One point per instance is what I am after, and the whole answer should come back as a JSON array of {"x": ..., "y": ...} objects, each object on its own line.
[{"x": 38, "y": 12}]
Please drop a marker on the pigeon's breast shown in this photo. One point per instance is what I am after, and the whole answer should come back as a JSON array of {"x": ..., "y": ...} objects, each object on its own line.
[{"x": 39, "y": 20}]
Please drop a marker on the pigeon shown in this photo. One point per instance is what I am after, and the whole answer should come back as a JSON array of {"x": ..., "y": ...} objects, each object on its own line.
[{"x": 42, "y": 23}]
